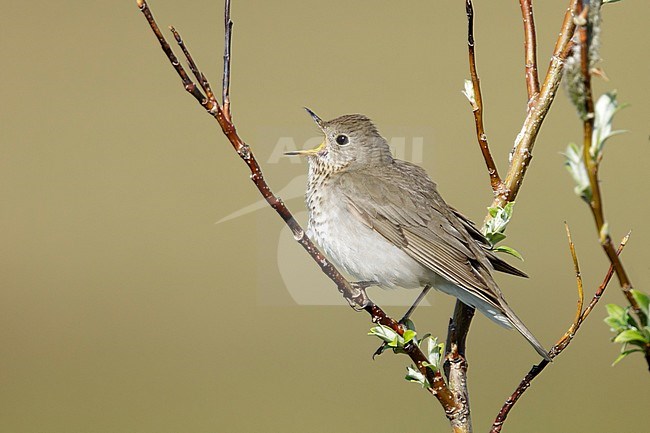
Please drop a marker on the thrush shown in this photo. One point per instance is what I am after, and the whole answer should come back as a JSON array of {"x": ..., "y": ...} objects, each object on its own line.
[{"x": 383, "y": 221}]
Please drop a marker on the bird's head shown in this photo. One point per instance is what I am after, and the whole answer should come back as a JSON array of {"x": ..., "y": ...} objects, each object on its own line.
[{"x": 351, "y": 142}]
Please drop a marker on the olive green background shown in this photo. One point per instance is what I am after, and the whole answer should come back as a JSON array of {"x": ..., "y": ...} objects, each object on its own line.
[{"x": 125, "y": 308}]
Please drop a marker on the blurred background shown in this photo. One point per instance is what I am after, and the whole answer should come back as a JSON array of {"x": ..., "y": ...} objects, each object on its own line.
[{"x": 145, "y": 289}]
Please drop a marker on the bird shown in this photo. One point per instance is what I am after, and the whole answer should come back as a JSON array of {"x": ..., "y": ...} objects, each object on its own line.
[{"x": 383, "y": 221}]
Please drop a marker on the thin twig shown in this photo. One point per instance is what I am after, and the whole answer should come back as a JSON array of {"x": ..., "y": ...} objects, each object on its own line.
[
  {"x": 205, "y": 85},
  {"x": 581, "y": 294},
  {"x": 477, "y": 102},
  {"x": 227, "y": 45},
  {"x": 355, "y": 295},
  {"x": 530, "y": 50},
  {"x": 592, "y": 166},
  {"x": 560, "y": 345},
  {"x": 601, "y": 289},
  {"x": 187, "y": 82}
]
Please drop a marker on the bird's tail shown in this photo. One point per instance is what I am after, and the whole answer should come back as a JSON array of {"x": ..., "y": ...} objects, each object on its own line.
[
  {"x": 500, "y": 312},
  {"x": 519, "y": 326}
]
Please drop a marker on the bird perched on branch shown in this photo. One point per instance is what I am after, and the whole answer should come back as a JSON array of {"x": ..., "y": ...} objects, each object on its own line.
[{"x": 383, "y": 221}]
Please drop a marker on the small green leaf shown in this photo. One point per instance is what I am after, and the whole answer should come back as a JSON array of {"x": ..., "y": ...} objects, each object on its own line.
[
  {"x": 605, "y": 109},
  {"x": 616, "y": 311},
  {"x": 414, "y": 375},
  {"x": 643, "y": 300},
  {"x": 408, "y": 335},
  {"x": 624, "y": 354},
  {"x": 383, "y": 332},
  {"x": 615, "y": 324},
  {"x": 508, "y": 209},
  {"x": 434, "y": 353},
  {"x": 574, "y": 163},
  {"x": 630, "y": 336},
  {"x": 495, "y": 238},
  {"x": 509, "y": 250}
]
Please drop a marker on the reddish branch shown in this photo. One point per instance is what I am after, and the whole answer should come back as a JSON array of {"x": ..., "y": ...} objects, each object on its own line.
[
  {"x": 566, "y": 339},
  {"x": 477, "y": 102},
  {"x": 530, "y": 49},
  {"x": 455, "y": 366},
  {"x": 354, "y": 294},
  {"x": 227, "y": 42},
  {"x": 592, "y": 165}
]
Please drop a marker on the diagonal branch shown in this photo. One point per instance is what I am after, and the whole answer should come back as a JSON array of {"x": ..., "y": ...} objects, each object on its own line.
[
  {"x": 530, "y": 49},
  {"x": 592, "y": 165},
  {"x": 355, "y": 295},
  {"x": 525, "y": 141},
  {"x": 566, "y": 338}
]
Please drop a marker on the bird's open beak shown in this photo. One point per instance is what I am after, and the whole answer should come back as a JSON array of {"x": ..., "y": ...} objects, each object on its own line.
[
  {"x": 307, "y": 152},
  {"x": 315, "y": 150}
]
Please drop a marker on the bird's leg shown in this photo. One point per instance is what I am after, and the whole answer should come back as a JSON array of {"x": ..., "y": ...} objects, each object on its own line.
[
  {"x": 419, "y": 299},
  {"x": 406, "y": 317}
]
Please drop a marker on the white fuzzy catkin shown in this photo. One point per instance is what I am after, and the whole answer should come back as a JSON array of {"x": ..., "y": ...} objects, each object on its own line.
[{"x": 573, "y": 79}]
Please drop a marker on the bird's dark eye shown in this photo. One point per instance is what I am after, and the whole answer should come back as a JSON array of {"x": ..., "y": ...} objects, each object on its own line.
[{"x": 342, "y": 140}]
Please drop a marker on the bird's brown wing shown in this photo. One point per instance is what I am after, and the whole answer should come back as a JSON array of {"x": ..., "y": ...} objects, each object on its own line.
[{"x": 403, "y": 205}]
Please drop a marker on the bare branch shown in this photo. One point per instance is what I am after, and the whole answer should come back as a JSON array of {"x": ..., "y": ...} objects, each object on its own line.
[
  {"x": 592, "y": 166},
  {"x": 187, "y": 82},
  {"x": 476, "y": 100},
  {"x": 581, "y": 294},
  {"x": 195, "y": 70},
  {"x": 354, "y": 294},
  {"x": 525, "y": 141},
  {"x": 226, "y": 61},
  {"x": 530, "y": 49},
  {"x": 560, "y": 345},
  {"x": 601, "y": 288}
]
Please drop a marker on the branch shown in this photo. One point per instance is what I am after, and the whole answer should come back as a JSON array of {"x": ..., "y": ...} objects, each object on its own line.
[
  {"x": 476, "y": 100},
  {"x": 455, "y": 365},
  {"x": 565, "y": 340},
  {"x": 530, "y": 49},
  {"x": 507, "y": 190},
  {"x": 592, "y": 165},
  {"x": 354, "y": 294},
  {"x": 227, "y": 45},
  {"x": 525, "y": 141}
]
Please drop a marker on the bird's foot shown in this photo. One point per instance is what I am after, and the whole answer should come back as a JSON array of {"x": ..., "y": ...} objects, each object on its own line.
[{"x": 359, "y": 299}]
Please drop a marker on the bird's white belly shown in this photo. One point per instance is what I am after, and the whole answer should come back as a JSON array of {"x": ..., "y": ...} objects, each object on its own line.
[{"x": 362, "y": 252}]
